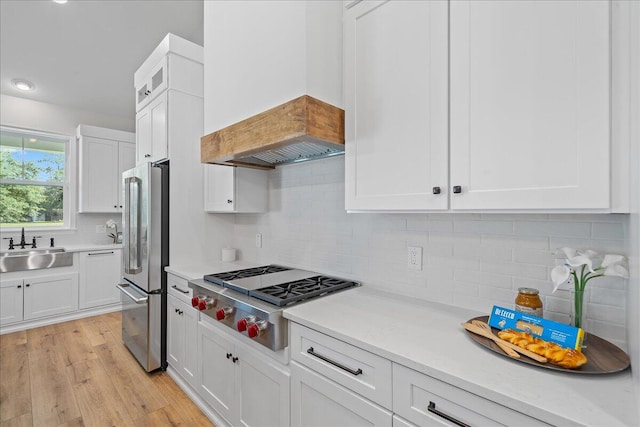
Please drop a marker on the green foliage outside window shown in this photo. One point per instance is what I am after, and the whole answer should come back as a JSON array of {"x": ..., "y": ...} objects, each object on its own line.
[{"x": 32, "y": 175}]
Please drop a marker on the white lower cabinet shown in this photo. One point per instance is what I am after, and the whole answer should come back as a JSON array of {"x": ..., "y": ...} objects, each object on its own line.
[
  {"x": 182, "y": 336},
  {"x": 318, "y": 401},
  {"x": 11, "y": 295},
  {"x": 100, "y": 272},
  {"x": 39, "y": 296},
  {"x": 238, "y": 383},
  {"x": 401, "y": 422},
  {"x": 426, "y": 401}
]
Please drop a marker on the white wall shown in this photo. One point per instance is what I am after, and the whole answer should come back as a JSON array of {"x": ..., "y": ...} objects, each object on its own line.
[{"x": 28, "y": 114}]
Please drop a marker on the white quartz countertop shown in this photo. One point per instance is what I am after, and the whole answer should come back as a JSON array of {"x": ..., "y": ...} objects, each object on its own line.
[
  {"x": 91, "y": 247},
  {"x": 428, "y": 337}
]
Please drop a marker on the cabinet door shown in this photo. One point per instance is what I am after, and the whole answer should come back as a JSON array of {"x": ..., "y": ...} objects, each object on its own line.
[
  {"x": 143, "y": 136},
  {"x": 10, "y": 301},
  {"x": 99, "y": 175},
  {"x": 318, "y": 402},
  {"x": 175, "y": 335},
  {"x": 100, "y": 272},
  {"x": 189, "y": 353},
  {"x": 396, "y": 82},
  {"x": 159, "y": 135},
  {"x": 219, "y": 188},
  {"x": 263, "y": 398},
  {"x": 49, "y": 295},
  {"x": 530, "y": 104},
  {"x": 217, "y": 371},
  {"x": 126, "y": 161}
]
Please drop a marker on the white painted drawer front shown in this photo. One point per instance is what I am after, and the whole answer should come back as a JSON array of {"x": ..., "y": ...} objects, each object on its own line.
[
  {"x": 413, "y": 393},
  {"x": 178, "y": 287},
  {"x": 319, "y": 402},
  {"x": 374, "y": 381}
]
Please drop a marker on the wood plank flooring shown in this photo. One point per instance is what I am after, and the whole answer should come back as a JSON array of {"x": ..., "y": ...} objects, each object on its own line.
[{"x": 79, "y": 373}]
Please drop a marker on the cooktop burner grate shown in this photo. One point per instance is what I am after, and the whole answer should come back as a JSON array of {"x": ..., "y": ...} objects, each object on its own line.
[
  {"x": 226, "y": 276},
  {"x": 298, "y": 290}
]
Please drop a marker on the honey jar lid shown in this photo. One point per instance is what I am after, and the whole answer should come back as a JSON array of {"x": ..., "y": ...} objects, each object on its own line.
[{"x": 528, "y": 291}]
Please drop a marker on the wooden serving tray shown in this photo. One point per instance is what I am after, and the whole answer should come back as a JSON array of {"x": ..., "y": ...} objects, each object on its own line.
[{"x": 603, "y": 357}]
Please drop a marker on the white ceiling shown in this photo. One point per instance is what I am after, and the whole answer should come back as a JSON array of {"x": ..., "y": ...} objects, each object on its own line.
[{"x": 83, "y": 54}]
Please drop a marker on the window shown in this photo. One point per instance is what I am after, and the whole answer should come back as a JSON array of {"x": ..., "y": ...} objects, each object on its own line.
[{"x": 33, "y": 174}]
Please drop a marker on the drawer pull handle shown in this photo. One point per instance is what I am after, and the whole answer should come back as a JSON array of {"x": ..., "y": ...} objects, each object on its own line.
[
  {"x": 432, "y": 409},
  {"x": 336, "y": 364},
  {"x": 100, "y": 253},
  {"x": 178, "y": 289}
]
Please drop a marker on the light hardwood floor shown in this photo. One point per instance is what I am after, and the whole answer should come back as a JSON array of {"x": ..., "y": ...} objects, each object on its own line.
[{"x": 79, "y": 373}]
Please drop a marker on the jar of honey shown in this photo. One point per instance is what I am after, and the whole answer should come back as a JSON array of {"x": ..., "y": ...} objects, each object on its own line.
[{"x": 529, "y": 302}]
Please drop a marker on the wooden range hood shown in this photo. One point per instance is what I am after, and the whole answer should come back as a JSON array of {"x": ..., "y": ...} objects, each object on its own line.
[{"x": 302, "y": 129}]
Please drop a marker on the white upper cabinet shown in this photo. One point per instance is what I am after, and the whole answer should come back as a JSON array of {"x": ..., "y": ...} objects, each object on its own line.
[
  {"x": 151, "y": 85},
  {"x": 152, "y": 132},
  {"x": 530, "y": 104},
  {"x": 104, "y": 154},
  {"x": 396, "y": 105},
  {"x": 175, "y": 66},
  {"x": 235, "y": 190},
  {"x": 492, "y": 105}
]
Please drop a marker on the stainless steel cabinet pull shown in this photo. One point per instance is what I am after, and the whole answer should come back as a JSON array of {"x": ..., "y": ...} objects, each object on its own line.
[
  {"x": 457, "y": 189},
  {"x": 436, "y": 190},
  {"x": 137, "y": 300},
  {"x": 334, "y": 363},
  {"x": 100, "y": 253},
  {"x": 432, "y": 408},
  {"x": 181, "y": 290}
]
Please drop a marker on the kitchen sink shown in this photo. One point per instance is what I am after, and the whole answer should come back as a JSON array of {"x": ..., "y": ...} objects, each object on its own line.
[{"x": 34, "y": 259}]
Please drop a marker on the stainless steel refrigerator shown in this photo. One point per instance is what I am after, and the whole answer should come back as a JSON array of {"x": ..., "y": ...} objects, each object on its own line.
[{"x": 145, "y": 221}]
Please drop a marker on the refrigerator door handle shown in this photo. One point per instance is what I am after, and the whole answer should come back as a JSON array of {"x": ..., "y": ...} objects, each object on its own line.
[
  {"x": 122, "y": 288},
  {"x": 133, "y": 250}
]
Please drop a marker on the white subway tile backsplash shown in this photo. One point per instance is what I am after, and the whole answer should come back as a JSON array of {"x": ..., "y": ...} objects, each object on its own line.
[
  {"x": 470, "y": 260},
  {"x": 607, "y": 230}
]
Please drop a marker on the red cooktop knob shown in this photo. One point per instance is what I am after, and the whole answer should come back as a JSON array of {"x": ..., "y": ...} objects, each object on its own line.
[
  {"x": 202, "y": 305},
  {"x": 195, "y": 301},
  {"x": 223, "y": 313},
  {"x": 253, "y": 331},
  {"x": 242, "y": 325}
]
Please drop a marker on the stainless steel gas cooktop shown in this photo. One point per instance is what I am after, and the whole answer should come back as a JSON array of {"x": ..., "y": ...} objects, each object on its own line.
[{"x": 251, "y": 300}]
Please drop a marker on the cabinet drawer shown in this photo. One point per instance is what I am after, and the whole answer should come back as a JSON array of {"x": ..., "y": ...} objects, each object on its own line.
[
  {"x": 426, "y": 401},
  {"x": 358, "y": 370},
  {"x": 179, "y": 288},
  {"x": 319, "y": 402}
]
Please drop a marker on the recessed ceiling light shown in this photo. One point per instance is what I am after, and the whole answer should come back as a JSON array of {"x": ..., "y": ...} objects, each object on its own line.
[
  {"x": 60, "y": 1},
  {"x": 23, "y": 84}
]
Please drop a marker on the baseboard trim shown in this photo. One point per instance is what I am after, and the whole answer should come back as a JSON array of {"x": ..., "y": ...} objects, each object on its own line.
[
  {"x": 21, "y": 326},
  {"x": 196, "y": 399}
]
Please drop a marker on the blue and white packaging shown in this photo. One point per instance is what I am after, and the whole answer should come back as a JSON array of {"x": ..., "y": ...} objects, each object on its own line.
[{"x": 548, "y": 330}]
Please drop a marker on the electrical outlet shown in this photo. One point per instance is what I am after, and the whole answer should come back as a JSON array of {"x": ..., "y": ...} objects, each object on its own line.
[
  {"x": 258, "y": 240},
  {"x": 414, "y": 257},
  {"x": 101, "y": 229}
]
